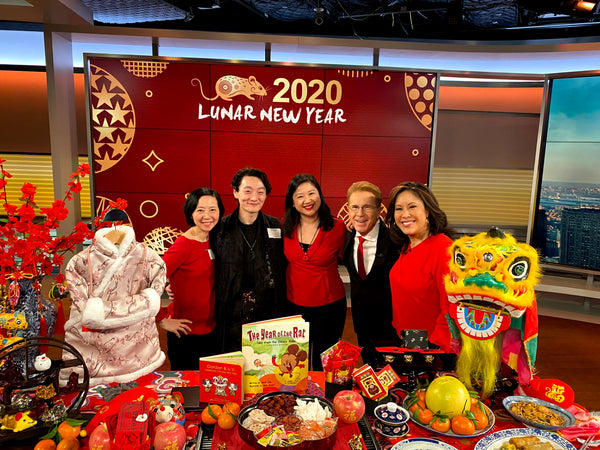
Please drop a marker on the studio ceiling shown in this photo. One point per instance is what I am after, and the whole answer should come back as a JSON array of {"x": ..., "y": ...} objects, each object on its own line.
[{"x": 433, "y": 20}]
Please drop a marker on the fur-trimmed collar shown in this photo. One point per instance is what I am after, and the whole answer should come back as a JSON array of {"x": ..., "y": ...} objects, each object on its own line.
[{"x": 107, "y": 247}]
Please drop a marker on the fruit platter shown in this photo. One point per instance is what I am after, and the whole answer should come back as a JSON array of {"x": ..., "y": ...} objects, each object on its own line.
[{"x": 447, "y": 408}]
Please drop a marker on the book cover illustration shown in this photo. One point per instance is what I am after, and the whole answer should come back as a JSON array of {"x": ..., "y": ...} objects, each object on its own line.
[
  {"x": 221, "y": 378},
  {"x": 276, "y": 355}
]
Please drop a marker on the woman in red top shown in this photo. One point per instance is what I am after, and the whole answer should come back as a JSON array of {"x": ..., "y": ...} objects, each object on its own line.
[
  {"x": 420, "y": 227},
  {"x": 313, "y": 241},
  {"x": 190, "y": 319}
]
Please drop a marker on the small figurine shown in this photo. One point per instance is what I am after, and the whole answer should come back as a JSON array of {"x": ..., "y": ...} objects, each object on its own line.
[
  {"x": 42, "y": 363},
  {"x": 17, "y": 422}
]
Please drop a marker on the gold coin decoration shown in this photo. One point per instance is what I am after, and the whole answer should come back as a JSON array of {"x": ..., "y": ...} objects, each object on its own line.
[{"x": 113, "y": 119}]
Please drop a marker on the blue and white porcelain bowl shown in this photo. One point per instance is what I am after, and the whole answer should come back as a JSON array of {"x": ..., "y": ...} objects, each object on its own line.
[{"x": 391, "y": 414}]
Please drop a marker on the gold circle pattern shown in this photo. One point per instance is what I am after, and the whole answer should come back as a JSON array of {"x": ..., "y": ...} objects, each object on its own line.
[{"x": 148, "y": 216}]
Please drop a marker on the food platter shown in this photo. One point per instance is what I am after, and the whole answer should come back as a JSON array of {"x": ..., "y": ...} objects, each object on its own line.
[
  {"x": 492, "y": 421},
  {"x": 422, "y": 444},
  {"x": 563, "y": 413},
  {"x": 252, "y": 438},
  {"x": 495, "y": 440}
]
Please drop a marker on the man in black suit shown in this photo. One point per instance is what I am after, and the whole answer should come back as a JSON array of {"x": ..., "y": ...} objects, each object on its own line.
[{"x": 369, "y": 254}]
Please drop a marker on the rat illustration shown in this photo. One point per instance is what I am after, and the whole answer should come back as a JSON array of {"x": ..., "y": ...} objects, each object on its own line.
[
  {"x": 291, "y": 359},
  {"x": 229, "y": 86}
]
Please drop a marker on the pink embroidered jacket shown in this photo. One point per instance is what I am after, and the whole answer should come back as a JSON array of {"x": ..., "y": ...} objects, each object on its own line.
[{"x": 116, "y": 290}]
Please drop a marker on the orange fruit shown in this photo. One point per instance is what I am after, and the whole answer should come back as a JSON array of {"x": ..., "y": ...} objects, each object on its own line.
[
  {"x": 210, "y": 414},
  {"x": 45, "y": 444},
  {"x": 462, "y": 425},
  {"x": 226, "y": 421},
  {"x": 232, "y": 407},
  {"x": 68, "y": 431},
  {"x": 68, "y": 444}
]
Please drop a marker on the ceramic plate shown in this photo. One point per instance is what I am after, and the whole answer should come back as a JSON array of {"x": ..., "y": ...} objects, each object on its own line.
[
  {"x": 422, "y": 444},
  {"x": 492, "y": 421},
  {"x": 566, "y": 415},
  {"x": 495, "y": 440}
]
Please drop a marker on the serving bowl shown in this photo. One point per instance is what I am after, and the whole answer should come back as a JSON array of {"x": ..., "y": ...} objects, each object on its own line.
[
  {"x": 251, "y": 438},
  {"x": 569, "y": 419}
]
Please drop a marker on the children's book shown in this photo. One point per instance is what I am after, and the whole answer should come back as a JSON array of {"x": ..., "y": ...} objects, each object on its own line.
[
  {"x": 276, "y": 355},
  {"x": 221, "y": 378}
]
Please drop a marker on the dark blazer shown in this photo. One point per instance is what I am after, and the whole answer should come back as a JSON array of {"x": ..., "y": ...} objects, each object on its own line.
[
  {"x": 269, "y": 276},
  {"x": 371, "y": 298}
]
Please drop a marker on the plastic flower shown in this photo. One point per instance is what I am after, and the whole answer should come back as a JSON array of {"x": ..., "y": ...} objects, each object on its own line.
[{"x": 28, "y": 248}]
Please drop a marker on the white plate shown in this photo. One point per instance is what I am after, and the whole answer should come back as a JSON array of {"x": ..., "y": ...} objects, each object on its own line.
[
  {"x": 566, "y": 415},
  {"x": 422, "y": 444},
  {"x": 495, "y": 440}
]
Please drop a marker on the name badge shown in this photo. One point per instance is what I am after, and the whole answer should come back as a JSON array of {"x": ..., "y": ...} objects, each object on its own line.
[
  {"x": 274, "y": 233},
  {"x": 211, "y": 255}
]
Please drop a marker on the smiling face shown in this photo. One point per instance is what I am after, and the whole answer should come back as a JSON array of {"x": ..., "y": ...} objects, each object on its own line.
[
  {"x": 206, "y": 214},
  {"x": 307, "y": 200},
  {"x": 251, "y": 195},
  {"x": 410, "y": 215},
  {"x": 363, "y": 211}
]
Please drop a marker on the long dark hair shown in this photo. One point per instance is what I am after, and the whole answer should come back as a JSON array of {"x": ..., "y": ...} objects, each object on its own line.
[
  {"x": 438, "y": 222},
  {"x": 191, "y": 202},
  {"x": 292, "y": 216}
]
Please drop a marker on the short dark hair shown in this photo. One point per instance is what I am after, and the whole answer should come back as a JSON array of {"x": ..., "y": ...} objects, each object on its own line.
[
  {"x": 250, "y": 172},
  {"x": 191, "y": 202},
  {"x": 292, "y": 216},
  {"x": 116, "y": 215},
  {"x": 438, "y": 221}
]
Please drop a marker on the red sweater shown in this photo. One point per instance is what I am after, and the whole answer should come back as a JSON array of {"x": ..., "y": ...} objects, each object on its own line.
[
  {"x": 419, "y": 300},
  {"x": 191, "y": 272},
  {"x": 315, "y": 281}
]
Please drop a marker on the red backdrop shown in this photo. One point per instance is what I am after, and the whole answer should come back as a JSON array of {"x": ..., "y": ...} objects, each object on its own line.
[{"x": 162, "y": 128}]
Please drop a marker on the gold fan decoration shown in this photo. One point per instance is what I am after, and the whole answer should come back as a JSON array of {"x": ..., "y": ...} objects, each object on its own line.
[
  {"x": 420, "y": 93},
  {"x": 144, "y": 69},
  {"x": 160, "y": 239},
  {"x": 113, "y": 119}
]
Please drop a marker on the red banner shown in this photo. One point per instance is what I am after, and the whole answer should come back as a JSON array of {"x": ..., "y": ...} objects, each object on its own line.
[{"x": 162, "y": 128}]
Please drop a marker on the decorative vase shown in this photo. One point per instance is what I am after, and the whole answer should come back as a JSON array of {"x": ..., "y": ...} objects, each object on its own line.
[
  {"x": 39, "y": 312},
  {"x": 40, "y": 317}
]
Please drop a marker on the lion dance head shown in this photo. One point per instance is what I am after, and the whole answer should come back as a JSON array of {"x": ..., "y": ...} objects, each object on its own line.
[{"x": 492, "y": 306}]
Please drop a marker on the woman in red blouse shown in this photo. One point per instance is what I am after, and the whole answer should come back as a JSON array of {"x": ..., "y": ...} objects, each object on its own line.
[
  {"x": 420, "y": 227},
  {"x": 190, "y": 318},
  {"x": 313, "y": 241}
]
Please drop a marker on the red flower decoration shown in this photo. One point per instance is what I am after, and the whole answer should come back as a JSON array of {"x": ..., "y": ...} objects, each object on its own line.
[{"x": 27, "y": 245}]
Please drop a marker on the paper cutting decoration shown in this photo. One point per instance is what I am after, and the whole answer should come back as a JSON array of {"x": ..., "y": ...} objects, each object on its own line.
[{"x": 490, "y": 289}]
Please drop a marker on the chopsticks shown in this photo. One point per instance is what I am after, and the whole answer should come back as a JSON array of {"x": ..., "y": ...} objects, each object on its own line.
[{"x": 587, "y": 442}]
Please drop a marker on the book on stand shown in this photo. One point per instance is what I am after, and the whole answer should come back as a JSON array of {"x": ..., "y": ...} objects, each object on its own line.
[
  {"x": 276, "y": 355},
  {"x": 221, "y": 378}
]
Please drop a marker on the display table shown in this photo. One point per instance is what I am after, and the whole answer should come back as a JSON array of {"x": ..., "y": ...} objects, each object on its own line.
[{"x": 163, "y": 382}]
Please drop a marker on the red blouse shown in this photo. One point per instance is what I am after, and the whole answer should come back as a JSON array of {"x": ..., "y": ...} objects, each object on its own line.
[
  {"x": 191, "y": 272},
  {"x": 419, "y": 300},
  {"x": 313, "y": 279}
]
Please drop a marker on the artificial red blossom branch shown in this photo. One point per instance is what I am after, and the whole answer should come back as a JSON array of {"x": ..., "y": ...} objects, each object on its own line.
[{"x": 27, "y": 247}]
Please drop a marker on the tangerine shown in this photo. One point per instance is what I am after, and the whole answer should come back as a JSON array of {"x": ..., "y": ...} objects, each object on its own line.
[
  {"x": 232, "y": 407},
  {"x": 210, "y": 414},
  {"x": 45, "y": 444},
  {"x": 68, "y": 444},
  {"x": 68, "y": 431},
  {"x": 227, "y": 421}
]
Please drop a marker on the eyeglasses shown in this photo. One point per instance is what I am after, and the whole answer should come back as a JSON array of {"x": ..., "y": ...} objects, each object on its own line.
[{"x": 365, "y": 208}]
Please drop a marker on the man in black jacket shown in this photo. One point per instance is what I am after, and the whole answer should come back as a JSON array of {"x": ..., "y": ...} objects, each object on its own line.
[
  {"x": 369, "y": 254},
  {"x": 250, "y": 265}
]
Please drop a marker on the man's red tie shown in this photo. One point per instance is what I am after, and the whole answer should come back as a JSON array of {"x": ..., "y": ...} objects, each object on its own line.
[{"x": 360, "y": 259}]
